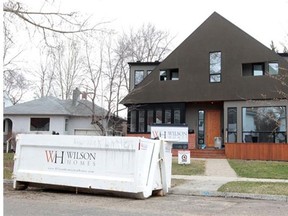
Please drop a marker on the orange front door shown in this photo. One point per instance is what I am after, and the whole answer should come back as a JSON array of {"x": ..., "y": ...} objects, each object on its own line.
[{"x": 212, "y": 126}]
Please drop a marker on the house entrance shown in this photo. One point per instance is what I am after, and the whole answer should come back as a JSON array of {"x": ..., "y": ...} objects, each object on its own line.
[
  {"x": 212, "y": 126},
  {"x": 209, "y": 127}
]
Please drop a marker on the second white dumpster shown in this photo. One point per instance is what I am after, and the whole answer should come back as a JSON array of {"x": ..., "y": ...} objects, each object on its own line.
[{"x": 131, "y": 165}]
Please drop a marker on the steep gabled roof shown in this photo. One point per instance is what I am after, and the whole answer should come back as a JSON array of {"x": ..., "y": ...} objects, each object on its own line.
[
  {"x": 54, "y": 106},
  {"x": 192, "y": 60}
]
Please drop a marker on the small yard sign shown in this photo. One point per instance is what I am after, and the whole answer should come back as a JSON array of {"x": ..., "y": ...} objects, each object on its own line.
[{"x": 183, "y": 157}]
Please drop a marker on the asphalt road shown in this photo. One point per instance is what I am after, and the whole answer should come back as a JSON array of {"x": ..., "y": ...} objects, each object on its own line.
[{"x": 35, "y": 202}]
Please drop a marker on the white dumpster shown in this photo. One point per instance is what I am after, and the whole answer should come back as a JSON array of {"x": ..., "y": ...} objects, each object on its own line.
[{"x": 134, "y": 166}]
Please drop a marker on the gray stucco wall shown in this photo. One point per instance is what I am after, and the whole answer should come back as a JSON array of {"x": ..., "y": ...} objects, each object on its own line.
[{"x": 141, "y": 66}]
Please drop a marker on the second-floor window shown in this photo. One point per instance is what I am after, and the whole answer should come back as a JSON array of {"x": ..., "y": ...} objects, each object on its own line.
[
  {"x": 215, "y": 67},
  {"x": 260, "y": 69},
  {"x": 139, "y": 76},
  {"x": 273, "y": 68},
  {"x": 169, "y": 74}
]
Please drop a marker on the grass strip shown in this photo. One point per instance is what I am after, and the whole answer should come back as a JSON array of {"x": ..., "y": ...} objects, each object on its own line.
[
  {"x": 270, "y": 188},
  {"x": 260, "y": 169},
  {"x": 196, "y": 167},
  {"x": 8, "y": 165}
]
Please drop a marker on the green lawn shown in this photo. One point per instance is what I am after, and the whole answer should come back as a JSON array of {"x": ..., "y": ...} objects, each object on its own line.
[
  {"x": 196, "y": 167},
  {"x": 256, "y": 188},
  {"x": 260, "y": 169},
  {"x": 8, "y": 165}
]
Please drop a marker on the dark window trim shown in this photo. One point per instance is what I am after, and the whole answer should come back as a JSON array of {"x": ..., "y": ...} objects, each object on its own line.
[
  {"x": 169, "y": 72},
  {"x": 235, "y": 132},
  {"x": 272, "y": 62},
  {"x": 264, "y": 65},
  {"x": 154, "y": 107},
  {"x": 214, "y": 75},
  {"x": 203, "y": 127},
  {"x": 220, "y": 67},
  {"x": 263, "y": 68},
  {"x": 135, "y": 84},
  {"x": 242, "y": 131}
]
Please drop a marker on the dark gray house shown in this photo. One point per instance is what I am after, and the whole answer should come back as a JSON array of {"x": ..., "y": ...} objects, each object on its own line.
[{"x": 221, "y": 82}]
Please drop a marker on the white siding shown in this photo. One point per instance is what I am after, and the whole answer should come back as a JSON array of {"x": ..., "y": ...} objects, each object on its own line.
[
  {"x": 21, "y": 124},
  {"x": 81, "y": 123}
]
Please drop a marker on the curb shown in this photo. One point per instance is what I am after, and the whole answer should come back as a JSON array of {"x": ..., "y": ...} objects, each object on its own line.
[
  {"x": 175, "y": 191},
  {"x": 281, "y": 198}
]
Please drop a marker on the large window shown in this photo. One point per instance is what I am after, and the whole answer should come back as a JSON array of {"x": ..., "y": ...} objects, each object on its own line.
[
  {"x": 177, "y": 117},
  {"x": 264, "y": 124},
  {"x": 232, "y": 125},
  {"x": 150, "y": 119},
  {"x": 139, "y": 76},
  {"x": 167, "y": 119},
  {"x": 159, "y": 119},
  {"x": 215, "y": 67},
  {"x": 141, "y": 118},
  {"x": 141, "y": 121},
  {"x": 39, "y": 124},
  {"x": 133, "y": 120}
]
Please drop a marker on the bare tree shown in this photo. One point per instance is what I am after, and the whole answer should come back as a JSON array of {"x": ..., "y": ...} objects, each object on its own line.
[
  {"x": 48, "y": 21},
  {"x": 40, "y": 25},
  {"x": 16, "y": 85},
  {"x": 45, "y": 74},
  {"x": 68, "y": 67},
  {"x": 273, "y": 47},
  {"x": 146, "y": 44},
  {"x": 93, "y": 68}
]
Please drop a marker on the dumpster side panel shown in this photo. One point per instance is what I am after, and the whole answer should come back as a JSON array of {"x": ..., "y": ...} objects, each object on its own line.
[{"x": 125, "y": 164}]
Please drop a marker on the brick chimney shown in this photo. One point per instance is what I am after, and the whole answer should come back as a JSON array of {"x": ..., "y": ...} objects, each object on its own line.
[
  {"x": 76, "y": 97},
  {"x": 84, "y": 95}
]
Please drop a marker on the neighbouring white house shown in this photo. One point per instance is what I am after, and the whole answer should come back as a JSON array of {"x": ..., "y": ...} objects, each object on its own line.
[{"x": 50, "y": 115}]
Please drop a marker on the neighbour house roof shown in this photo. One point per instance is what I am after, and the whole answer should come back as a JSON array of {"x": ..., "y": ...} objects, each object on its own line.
[
  {"x": 54, "y": 106},
  {"x": 191, "y": 58}
]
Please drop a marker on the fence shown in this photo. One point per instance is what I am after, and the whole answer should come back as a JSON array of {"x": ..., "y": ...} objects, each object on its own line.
[{"x": 257, "y": 151}]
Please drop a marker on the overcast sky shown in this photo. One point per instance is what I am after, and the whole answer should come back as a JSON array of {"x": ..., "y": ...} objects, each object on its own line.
[{"x": 265, "y": 20}]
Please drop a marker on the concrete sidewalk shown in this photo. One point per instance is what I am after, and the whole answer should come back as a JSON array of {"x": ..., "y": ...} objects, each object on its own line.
[{"x": 218, "y": 172}]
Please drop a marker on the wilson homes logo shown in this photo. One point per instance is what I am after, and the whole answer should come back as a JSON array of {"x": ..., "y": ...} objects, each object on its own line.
[{"x": 71, "y": 157}]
